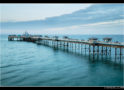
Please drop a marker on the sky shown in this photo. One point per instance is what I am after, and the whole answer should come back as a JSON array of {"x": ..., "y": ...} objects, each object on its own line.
[
  {"x": 62, "y": 18},
  {"x": 27, "y": 12},
  {"x": 107, "y": 28}
]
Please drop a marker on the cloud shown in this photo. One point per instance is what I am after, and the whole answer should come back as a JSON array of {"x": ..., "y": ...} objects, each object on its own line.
[
  {"x": 121, "y": 21},
  {"x": 95, "y": 19},
  {"x": 110, "y": 27},
  {"x": 93, "y": 24},
  {"x": 29, "y": 12}
]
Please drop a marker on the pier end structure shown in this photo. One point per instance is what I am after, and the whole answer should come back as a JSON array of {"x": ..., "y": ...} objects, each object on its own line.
[{"x": 107, "y": 39}]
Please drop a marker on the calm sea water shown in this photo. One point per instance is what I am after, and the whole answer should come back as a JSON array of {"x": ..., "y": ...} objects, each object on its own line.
[{"x": 29, "y": 64}]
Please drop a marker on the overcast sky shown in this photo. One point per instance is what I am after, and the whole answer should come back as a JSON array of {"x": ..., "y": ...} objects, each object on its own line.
[
  {"x": 27, "y": 12},
  {"x": 95, "y": 20}
]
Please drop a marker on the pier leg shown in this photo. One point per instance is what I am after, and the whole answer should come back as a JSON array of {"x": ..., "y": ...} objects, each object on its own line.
[
  {"x": 97, "y": 49},
  {"x": 45, "y": 42},
  {"x": 93, "y": 49},
  {"x": 60, "y": 44},
  {"x": 57, "y": 43},
  {"x": 115, "y": 52},
  {"x": 72, "y": 46},
  {"x": 120, "y": 51},
  {"x": 85, "y": 48},
  {"x": 52, "y": 43},
  {"x": 102, "y": 50},
  {"x": 64, "y": 45},
  {"x": 110, "y": 51},
  {"x": 106, "y": 51},
  {"x": 89, "y": 49},
  {"x": 81, "y": 48},
  {"x": 75, "y": 47},
  {"x": 67, "y": 45}
]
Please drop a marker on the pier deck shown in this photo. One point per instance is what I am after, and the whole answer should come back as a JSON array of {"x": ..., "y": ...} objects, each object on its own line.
[{"x": 97, "y": 46}]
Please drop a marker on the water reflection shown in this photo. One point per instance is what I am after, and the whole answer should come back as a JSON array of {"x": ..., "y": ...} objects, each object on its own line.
[{"x": 106, "y": 59}]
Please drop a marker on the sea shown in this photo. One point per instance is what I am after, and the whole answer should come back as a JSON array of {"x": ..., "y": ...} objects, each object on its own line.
[{"x": 29, "y": 64}]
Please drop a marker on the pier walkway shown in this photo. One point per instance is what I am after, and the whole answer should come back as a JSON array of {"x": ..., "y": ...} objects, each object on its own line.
[{"x": 92, "y": 45}]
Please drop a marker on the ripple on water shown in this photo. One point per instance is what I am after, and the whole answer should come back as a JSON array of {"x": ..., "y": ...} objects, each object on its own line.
[
  {"x": 5, "y": 72},
  {"x": 15, "y": 65},
  {"x": 10, "y": 77},
  {"x": 25, "y": 63}
]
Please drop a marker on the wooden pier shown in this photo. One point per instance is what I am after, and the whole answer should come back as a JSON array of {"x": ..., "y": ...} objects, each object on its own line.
[{"x": 92, "y": 45}]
